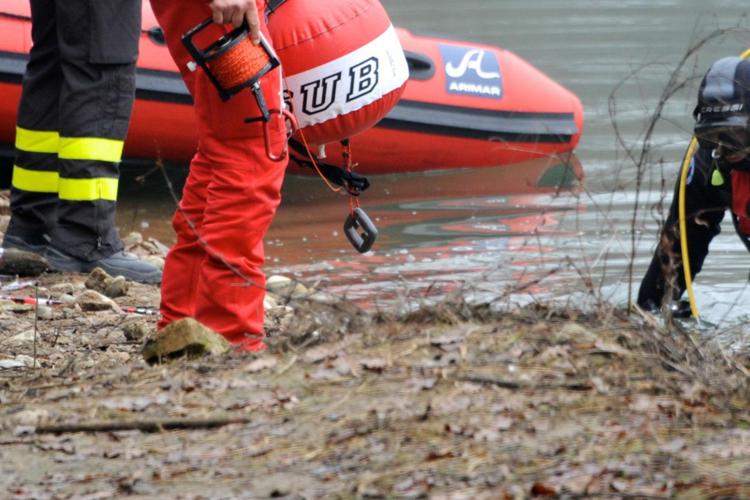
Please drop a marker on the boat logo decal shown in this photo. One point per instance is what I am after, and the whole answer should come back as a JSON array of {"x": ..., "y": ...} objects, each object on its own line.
[{"x": 472, "y": 71}]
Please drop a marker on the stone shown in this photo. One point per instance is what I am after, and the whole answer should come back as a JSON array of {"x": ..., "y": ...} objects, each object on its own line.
[
  {"x": 117, "y": 287},
  {"x": 22, "y": 338},
  {"x": 27, "y": 361},
  {"x": 155, "y": 260},
  {"x": 91, "y": 300},
  {"x": 185, "y": 337},
  {"x": 132, "y": 239},
  {"x": 102, "y": 282},
  {"x": 160, "y": 247},
  {"x": 286, "y": 288},
  {"x": 30, "y": 417},
  {"x": 65, "y": 288},
  {"x": 136, "y": 332},
  {"x": 269, "y": 302},
  {"x": 21, "y": 263},
  {"x": 67, "y": 299},
  {"x": 44, "y": 312},
  {"x": 8, "y": 364}
]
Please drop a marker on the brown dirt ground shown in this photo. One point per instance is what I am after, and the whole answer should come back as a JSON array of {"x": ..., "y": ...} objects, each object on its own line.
[{"x": 451, "y": 402}]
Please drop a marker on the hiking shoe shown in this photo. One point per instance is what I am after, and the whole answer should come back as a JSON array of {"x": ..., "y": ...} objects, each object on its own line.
[
  {"x": 36, "y": 245},
  {"x": 118, "y": 264}
]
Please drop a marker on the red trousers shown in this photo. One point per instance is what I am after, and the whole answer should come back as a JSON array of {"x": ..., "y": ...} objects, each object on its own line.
[{"x": 213, "y": 273}]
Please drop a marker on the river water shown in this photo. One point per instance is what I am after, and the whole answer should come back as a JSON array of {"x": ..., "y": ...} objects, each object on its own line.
[{"x": 486, "y": 231}]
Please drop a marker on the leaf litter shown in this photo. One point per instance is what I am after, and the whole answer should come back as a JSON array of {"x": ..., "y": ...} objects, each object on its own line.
[{"x": 454, "y": 401}]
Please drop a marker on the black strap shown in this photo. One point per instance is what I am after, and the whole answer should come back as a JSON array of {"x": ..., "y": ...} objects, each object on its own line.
[
  {"x": 354, "y": 183},
  {"x": 272, "y": 6}
]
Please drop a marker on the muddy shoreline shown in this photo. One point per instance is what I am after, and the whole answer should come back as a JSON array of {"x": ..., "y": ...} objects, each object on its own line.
[{"x": 456, "y": 401}]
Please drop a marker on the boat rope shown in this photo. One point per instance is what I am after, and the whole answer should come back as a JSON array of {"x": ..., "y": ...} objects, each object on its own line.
[
  {"x": 683, "y": 219},
  {"x": 353, "y": 182}
]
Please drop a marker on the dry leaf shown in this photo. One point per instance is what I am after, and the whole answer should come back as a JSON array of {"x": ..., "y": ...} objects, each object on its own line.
[{"x": 261, "y": 364}]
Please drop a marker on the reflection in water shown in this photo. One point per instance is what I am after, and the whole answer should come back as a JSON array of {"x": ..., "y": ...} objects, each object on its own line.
[
  {"x": 454, "y": 226},
  {"x": 480, "y": 229}
]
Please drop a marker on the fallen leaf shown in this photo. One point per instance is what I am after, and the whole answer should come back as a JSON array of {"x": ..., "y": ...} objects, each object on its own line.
[
  {"x": 320, "y": 354},
  {"x": 440, "y": 454},
  {"x": 503, "y": 423},
  {"x": 447, "y": 339},
  {"x": 261, "y": 364},
  {"x": 602, "y": 346},
  {"x": 543, "y": 490},
  {"x": 374, "y": 364},
  {"x": 673, "y": 446},
  {"x": 136, "y": 404},
  {"x": 423, "y": 384}
]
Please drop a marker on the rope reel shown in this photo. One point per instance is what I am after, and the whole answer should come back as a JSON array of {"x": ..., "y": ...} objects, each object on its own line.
[{"x": 234, "y": 63}]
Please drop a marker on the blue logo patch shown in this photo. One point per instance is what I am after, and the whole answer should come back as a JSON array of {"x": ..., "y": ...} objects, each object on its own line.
[{"x": 472, "y": 71}]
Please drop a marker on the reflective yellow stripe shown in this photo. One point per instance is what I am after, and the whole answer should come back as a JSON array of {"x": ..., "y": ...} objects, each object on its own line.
[
  {"x": 90, "y": 148},
  {"x": 37, "y": 141},
  {"x": 101, "y": 188},
  {"x": 35, "y": 181}
]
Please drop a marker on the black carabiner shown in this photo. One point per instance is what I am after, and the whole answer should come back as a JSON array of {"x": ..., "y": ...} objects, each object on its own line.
[{"x": 358, "y": 219}]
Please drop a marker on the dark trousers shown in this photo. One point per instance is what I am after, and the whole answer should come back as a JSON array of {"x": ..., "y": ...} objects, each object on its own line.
[
  {"x": 78, "y": 93},
  {"x": 705, "y": 204}
]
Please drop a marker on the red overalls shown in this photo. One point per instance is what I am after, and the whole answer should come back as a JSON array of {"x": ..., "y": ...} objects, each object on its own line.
[{"x": 213, "y": 273}]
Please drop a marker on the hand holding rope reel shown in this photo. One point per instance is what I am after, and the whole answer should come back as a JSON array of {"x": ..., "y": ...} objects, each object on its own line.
[{"x": 234, "y": 63}]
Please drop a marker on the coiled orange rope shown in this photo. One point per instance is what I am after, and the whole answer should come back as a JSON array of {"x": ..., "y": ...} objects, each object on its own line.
[{"x": 238, "y": 65}]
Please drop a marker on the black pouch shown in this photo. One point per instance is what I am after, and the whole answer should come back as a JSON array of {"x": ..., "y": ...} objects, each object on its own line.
[{"x": 115, "y": 29}]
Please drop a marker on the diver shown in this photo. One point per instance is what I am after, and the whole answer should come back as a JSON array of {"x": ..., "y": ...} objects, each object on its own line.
[{"x": 718, "y": 179}]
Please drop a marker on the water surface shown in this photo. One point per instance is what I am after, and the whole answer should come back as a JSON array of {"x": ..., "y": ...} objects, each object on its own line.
[{"x": 487, "y": 230}]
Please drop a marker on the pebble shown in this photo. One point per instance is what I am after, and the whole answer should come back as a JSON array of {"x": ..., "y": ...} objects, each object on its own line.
[
  {"x": 30, "y": 418},
  {"x": 91, "y": 300},
  {"x": 21, "y": 338},
  {"x": 45, "y": 312}
]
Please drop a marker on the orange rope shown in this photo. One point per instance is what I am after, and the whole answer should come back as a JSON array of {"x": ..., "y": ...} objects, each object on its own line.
[
  {"x": 238, "y": 65},
  {"x": 315, "y": 165},
  {"x": 353, "y": 200}
]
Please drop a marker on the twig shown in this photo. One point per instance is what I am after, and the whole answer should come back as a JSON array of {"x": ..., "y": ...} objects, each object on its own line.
[
  {"x": 515, "y": 385},
  {"x": 36, "y": 323},
  {"x": 141, "y": 425}
]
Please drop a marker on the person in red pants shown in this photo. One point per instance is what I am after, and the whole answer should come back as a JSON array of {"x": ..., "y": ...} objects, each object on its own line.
[{"x": 213, "y": 273}]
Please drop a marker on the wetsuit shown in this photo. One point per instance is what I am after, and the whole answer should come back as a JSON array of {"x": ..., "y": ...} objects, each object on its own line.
[{"x": 708, "y": 195}]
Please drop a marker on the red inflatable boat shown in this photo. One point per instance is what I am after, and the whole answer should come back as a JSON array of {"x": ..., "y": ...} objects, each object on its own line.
[{"x": 465, "y": 105}]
